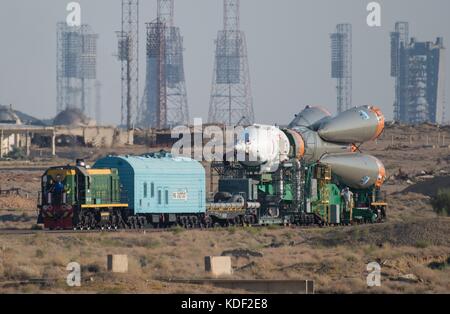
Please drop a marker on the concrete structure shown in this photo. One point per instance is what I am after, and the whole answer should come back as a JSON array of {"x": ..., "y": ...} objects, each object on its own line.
[
  {"x": 20, "y": 136},
  {"x": 69, "y": 125},
  {"x": 96, "y": 136},
  {"x": 117, "y": 263},
  {"x": 14, "y": 135},
  {"x": 218, "y": 265},
  {"x": 341, "y": 65},
  {"x": 419, "y": 72}
]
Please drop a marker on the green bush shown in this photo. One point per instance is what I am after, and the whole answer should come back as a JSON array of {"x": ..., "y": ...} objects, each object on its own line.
[{"x": 441, "y": 202}]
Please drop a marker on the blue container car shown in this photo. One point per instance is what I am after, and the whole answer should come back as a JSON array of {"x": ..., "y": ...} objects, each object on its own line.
[{"x": 160, "y": 189}]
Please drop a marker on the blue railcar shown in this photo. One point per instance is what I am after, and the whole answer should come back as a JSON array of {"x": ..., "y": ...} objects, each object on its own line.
[{"x": 160, "y": 187}]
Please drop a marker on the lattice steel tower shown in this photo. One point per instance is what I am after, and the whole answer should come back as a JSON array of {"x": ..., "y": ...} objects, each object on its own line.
[
  {"x": 76, "y": 68},
  {"x": 231, "y": 97},
  {"x": 128, "y": 54},
  {"x": 399, "y": 42},
  {"x": 341, "y": 65},
  {"x": 419, "y": 71},
  {"x": 165, "y": 103}
]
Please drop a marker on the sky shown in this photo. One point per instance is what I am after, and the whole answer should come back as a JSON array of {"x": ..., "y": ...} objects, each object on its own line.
[{"x": 288, "y": 46}]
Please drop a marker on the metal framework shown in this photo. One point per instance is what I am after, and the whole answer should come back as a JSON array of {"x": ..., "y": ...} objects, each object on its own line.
[
  {"x": 76, "y": 67},
  {"x": 399, "y": 41},
  {"x": 341, "y": 65},
  {"x": 231, "y": 96},
  {"x": 98, "y": 102},
  {"x": 166, "y": 12},
  {"x": 128, "y": 54},
  {"x": 418, "y": 69},
  {"x": 165, "y": 103}
]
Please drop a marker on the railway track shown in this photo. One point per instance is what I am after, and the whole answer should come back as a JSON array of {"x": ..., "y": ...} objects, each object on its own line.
[
  {"x": 143, "y": 231},
  {"x": 32, "y": 232}
]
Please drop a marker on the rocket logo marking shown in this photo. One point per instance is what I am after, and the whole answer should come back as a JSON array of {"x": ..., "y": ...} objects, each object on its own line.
[{"x": 364, "y": 115}]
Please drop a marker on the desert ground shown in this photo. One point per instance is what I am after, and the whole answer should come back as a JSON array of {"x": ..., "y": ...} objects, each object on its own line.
[{"x": 412, "y": 247}]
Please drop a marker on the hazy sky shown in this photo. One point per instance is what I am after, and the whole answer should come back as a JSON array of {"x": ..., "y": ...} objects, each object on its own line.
[{"x": 288, "y": 46}]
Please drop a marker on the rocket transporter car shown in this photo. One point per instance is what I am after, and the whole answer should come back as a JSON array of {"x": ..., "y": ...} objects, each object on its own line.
[{"x": 310, "y": 173}]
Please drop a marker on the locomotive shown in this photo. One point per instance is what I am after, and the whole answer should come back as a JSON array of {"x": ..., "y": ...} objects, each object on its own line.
[
  {"x": 78, "y": 196},
  {"x": 310, "y": 173}
]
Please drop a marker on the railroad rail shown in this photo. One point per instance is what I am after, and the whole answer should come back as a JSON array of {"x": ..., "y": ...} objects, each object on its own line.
[
  {"x": 32, "y": 232},
  {"x": 144, "y": 231}
]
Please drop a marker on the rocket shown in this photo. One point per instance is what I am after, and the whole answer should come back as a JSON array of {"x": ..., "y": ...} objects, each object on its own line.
[{"x": 314, "y": 136}]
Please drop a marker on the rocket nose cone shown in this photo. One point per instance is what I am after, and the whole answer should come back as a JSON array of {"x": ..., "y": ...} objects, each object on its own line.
[
  {"x": 358, "y": 171},
  {"x": 309, "y": 116},
  {"x": 357, "y": 125},
  {"x": 325, "y": 130}
]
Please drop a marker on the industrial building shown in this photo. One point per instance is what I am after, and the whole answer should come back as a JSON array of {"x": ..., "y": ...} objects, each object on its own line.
[
  {"x": 419, "y": 72},
  {"x": 18, "y": 134}
]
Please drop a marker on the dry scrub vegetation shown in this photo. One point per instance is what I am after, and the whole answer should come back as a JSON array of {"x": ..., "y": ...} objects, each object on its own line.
[{"x": 335, "y": 259}]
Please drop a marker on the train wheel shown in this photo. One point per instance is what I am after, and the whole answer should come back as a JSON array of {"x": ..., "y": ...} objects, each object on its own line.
[
  {"x": 142, "y": 222},
  {"x": 207, "y": 222},
  {"x": 195, "y": 222}
]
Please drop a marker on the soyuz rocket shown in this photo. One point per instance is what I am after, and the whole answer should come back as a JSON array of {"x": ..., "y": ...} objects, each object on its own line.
[{"x": 314, "y": 136}]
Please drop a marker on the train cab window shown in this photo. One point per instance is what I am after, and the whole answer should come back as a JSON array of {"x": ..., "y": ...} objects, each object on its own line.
[
  {"x": 159, "y": 197},
  {"x": 167, "y": 197},
  {"x": 152, "y": 190},
  {"x": 145, "y": 190}
]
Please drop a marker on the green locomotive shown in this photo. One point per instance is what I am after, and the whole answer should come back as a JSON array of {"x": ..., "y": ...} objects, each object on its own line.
[{"x": 75, "y": 196}]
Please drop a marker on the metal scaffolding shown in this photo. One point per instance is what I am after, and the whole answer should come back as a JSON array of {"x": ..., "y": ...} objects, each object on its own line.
[
  {"x": 165, "y": 103},
  {"x": 341, "y": 65},
  {"x": 98, "y": 102},
  {"x": 418, "y": 69},
  {"x": 399, "y": 41},
  {"x": 231, "y": 96},
  {"x": 76, "y": 67},
  {"x": 128, "y": 54}
]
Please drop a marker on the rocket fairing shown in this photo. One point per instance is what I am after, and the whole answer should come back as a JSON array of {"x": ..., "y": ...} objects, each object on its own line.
[
  {"x": 357, "y": 125},
  {"x": 358, "y": 171},
  {"x": 262, "y": 145},
  {"x": 309, "y": 116}
]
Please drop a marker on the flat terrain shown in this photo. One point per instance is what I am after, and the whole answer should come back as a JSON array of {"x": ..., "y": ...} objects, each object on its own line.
[{"x": 413, "y": 247}]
